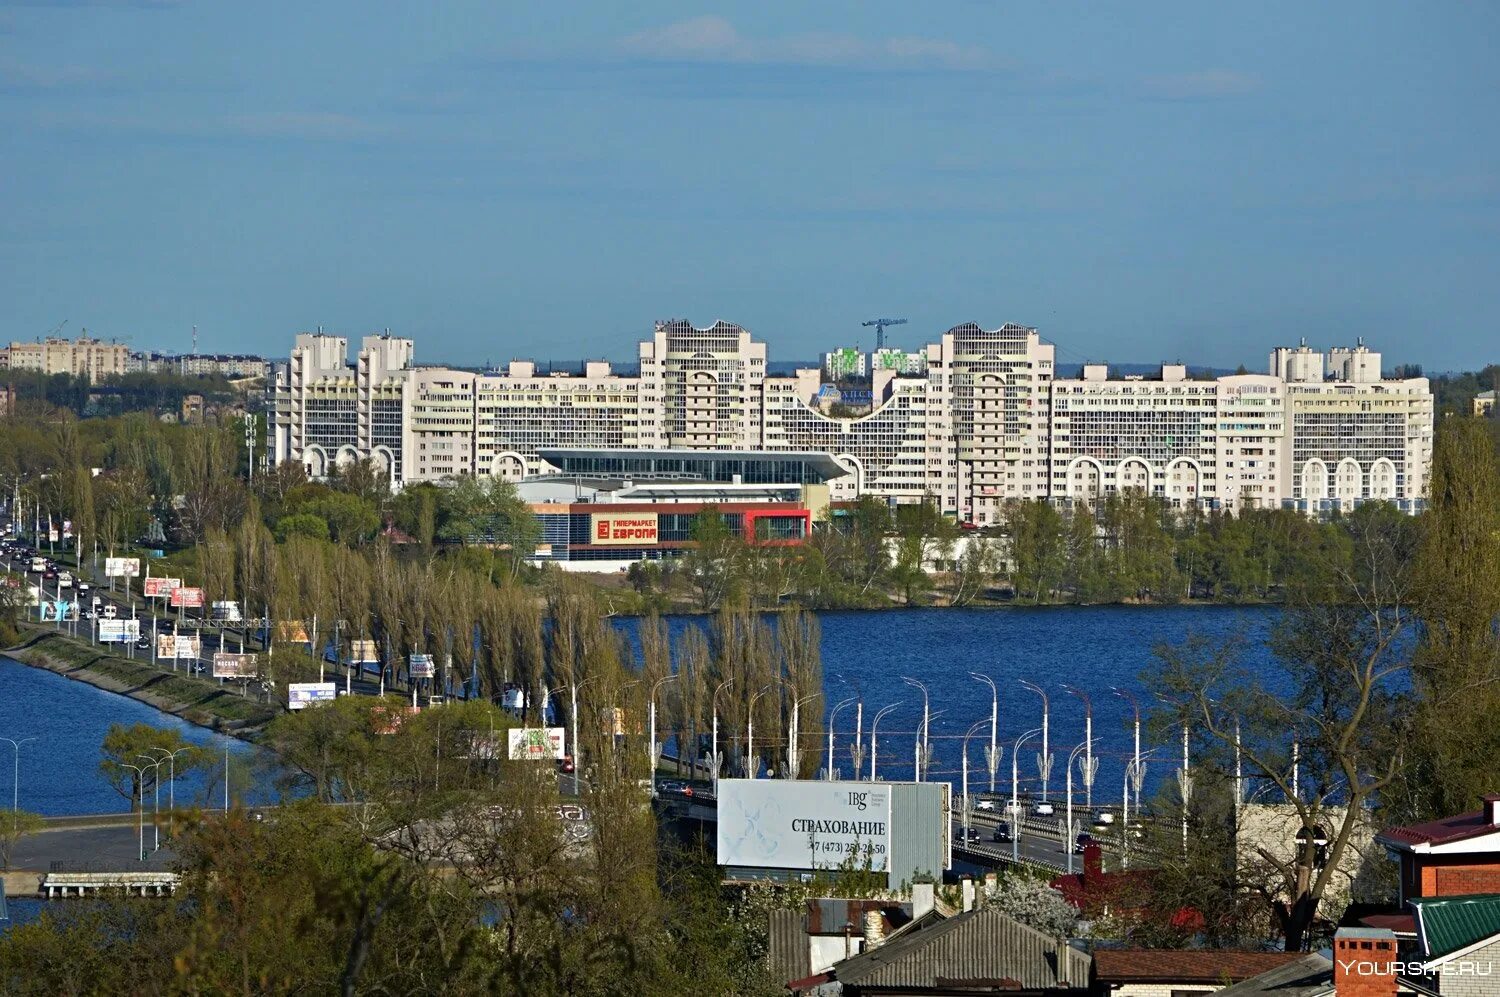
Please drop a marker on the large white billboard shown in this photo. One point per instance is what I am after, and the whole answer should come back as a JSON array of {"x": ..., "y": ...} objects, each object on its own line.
[
  {"x": 535, "y": 743},
  {"x": 301, "y": 695},
  {"x": 119, "y": 631},
  {"x": 803, "y": 824}
]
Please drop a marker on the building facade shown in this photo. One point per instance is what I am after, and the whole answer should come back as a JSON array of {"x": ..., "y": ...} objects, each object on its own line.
[
  {"x": 972, "y": 421},
  {"x": 81, "y": 357}
]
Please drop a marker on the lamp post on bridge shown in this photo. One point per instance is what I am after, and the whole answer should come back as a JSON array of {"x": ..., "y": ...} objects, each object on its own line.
[
  {"x": 1044, "y": 760},
  {"x": 652, "y": 751},
  {"x": 967, "y": 808},
  {"x": 1015, "y": 799},
  {"x": 716, "y": 761},
  {"x": 926, "y": 716},
  {"x": 832, "y": 715},
  {"x": 1090, "y": 765},
  {"x": 992, "y": 753},
  {"x": 140, "y": 814},
  {"x": 874, "y": 730},
  {"x": 155, "y": 767},
  {"x": 15, "y": 785},
  {"x": 171, "y": 758}
]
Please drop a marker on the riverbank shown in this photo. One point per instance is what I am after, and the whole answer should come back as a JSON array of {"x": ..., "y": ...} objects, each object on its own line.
[{"x": 202, "y": 702}]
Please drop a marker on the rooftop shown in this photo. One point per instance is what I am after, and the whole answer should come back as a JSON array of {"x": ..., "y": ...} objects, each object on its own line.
[
  {"x": 1452, "y": 924},
  {"x": 1185, "y": 965},
  {"x": 1310, "y": 975},
  {"x": 1475, "y": 824}
]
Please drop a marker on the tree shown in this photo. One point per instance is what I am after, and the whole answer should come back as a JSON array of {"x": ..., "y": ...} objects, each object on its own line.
[
  {"x": 1035, "y": 531},
  {"x": 15, "y": 825},
  {"x": 1457, "y": 667},
  {"x": 302, "y": 524},
  {"x": 137, "y": 745},
  {"x": 715, "y": 564},
  {"x": 1339, "y": 700},
  {"x": 1035, "y": 904}
]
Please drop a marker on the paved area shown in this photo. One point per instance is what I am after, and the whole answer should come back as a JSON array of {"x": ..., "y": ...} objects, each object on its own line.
[{"x": 100, "y": 849}]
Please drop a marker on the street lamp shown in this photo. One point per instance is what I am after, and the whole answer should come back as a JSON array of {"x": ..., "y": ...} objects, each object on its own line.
[
  {"x": 155, "y": 798},
  {"x": 874, "y": 729},
  {"x": 1015, "y": 800},
  {"x": 573, "y": 716},
  {"x": 651, "y": 750},
  {"x": 922, "y": 742},
  {"x": 715, "y": 761},
  {"x": 1044, "y": 760},
  {"x": 832, "y": 715},
  {"x": 171, "y": 758},
  {"x": 750, "y": 764},
  {"x": 966, "y": 778},
  {"x": 992, "y": 753},
  {"x": 1090, "y": 766},
  {"x": 794, "y": 745},
  {"x": 1135, "y": 758},
  {"x": 1068, "y": 841},
  {"x": 15, "y": 785},
  {"x": 140, "y": 818}
]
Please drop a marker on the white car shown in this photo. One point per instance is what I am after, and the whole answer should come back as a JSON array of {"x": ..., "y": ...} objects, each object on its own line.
[
  {"x": 1043, "y": 809},
  {"x": 1104, "y": 817},
  {"x": 984, "y": 804}
]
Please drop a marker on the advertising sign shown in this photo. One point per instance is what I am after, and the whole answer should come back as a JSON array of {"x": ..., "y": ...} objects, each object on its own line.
[
  {"x": 796, "y": 824},
  {"x": 301, "y": 695},
  {"x": 362, "y": 652},
  {"x": 119, "y": 631},
  {"x": 177, "y": 646},
  {"x": 59, "y": 609},
  {"x": 160, "y": 586},
  {"x": 535, "y": 744},
  {"x": 623, "y": 529},
  {"x": 419, "y": 666},
  {"x": 187, "y": 598},
  {"x": 228, "y": 665},
  {"x": 122, "y": 567},
  {"x": 292, "y": 631},
  {"x": 387, "y": 719}
]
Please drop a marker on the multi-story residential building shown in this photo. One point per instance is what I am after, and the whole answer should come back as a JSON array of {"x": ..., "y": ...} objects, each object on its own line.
[
  {"x": 81, "y": 357},
  {"x": 844, "y": 362},
  {"x": 981, "y": 422}
]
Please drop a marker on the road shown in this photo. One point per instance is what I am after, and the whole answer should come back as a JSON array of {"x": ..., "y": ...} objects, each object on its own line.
[{"x": 111, "y": 849}]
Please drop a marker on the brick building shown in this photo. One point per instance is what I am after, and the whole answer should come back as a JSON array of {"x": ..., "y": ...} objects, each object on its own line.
[{"x": 1454, "y": 856}]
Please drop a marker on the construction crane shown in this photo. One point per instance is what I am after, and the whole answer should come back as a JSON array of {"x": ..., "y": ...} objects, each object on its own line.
[
  {"x": 880, "y": 326},
  {"x": 56, "y": 329}
]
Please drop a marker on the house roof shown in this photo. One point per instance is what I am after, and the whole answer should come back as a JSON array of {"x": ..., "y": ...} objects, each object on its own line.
[
  {"x": 1452, "y": 924},
  {"x": 1310, "y": 975},
  {"x": 975, "y": 948},
  {"x": 787, "y": 953},
  {"x": 1440, "y": 832},
  {"x": 1185, "y": 965}
]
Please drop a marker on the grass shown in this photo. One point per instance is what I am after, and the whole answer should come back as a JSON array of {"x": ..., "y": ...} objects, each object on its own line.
[{"x": 198, "y": 700}]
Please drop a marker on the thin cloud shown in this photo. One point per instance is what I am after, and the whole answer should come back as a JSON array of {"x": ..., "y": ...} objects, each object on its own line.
[
  {"x": 310, "y": 125},
  {"x": 715, "y": 39},
  {"x": 20, "y": 77},
  {"x": 1210, "y": 84}
]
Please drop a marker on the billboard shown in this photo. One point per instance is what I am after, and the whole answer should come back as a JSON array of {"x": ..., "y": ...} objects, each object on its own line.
[
  {"x": 177, "y": 646},
  {"x": 532, "y": 744},
  {"x": 292, "y": 631},
  {"x": 300, "y": 695},
  {"x": 419, "y": 666},
  {"x": 903, "y": 828},
  {"x": 386, "y": 718},
  {"x": 159, "y": 586},
  {"x": 187, "y": 598},
  {"x": 623, "y": 529},
  {"x": 122, "y": 567},
  {"x": 119, "y": 631},
  {"x": 228, "y": 665},
  {"x": 59, "y": 609},
  {"x": 362, "y": 652}
]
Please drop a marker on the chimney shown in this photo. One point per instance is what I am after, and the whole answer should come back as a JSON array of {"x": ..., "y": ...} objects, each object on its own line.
[
  {"x": 1492, "y": 809},
  {"x": 991, "y": 884},
  {"x": 968, "y": 887},
  {"x": 1364, "y": 963},
  {"x": 1093, "y": 862},
  {"x": 874, "y": 928},
  {"x": 923, "y": 898}
]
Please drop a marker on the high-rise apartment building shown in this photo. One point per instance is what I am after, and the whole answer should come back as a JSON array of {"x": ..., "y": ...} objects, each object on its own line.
[
  {"x": 980, "y": 421},
  {"x": 81, "y": 357}
]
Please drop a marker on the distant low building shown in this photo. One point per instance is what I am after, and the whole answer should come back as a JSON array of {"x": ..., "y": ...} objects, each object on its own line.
[
  {"x": 81, "y": 357},
  {"x": 1484, "y": 403}
]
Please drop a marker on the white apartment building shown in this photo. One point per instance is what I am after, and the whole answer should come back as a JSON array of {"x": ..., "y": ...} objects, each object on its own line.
[
  {"x": 981, "y": 422},
  {"x": 81, "y": 357}
]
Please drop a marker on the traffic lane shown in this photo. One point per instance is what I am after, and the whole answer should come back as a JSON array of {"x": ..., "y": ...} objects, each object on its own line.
[{"x": 103, "y": 849}]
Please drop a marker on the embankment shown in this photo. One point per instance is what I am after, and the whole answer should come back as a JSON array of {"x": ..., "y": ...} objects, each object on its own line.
[{"x": 197, "y": 700}]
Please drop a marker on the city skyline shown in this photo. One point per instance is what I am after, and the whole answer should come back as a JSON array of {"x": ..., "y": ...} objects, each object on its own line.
[{"x": 1202, "y": 183}]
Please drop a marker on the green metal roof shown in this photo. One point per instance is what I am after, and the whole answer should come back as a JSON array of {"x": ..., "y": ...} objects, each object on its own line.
[{"x": 1450, "y": 924}]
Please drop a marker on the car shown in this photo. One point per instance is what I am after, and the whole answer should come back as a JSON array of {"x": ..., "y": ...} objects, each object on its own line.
[
  {"x": 1104, "y": 818},
  {"x": 970, "y": 836},
  {"x": 985, "y": 804},
  {"x": 1042, "y": 808},
  {"x": 1001, "y": 832},
  {"x": 143, "y": 644},
  {"x": 85, "y": 614},
  {"x": 565, "y": 764},
  {"x": 1083, "y": 840},
  {"x": 64, "y": 580},
  {"x": 84, "y": 588},
  {"x": 672, "y": 787}
]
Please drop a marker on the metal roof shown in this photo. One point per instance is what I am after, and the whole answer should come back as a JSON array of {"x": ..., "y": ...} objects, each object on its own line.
[
  {"x": 819, "y": 461},
  {"x": 1185, "y": 965},
  {"x": 1309, "y": 976},
  {"x": 788, "y": 954},
  {"x": 973, "y": 948},
  {"x": 1450, "y": 924}
]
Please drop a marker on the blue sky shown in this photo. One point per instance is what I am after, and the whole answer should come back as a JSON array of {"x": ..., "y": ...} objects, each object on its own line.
[{"x": 1142, "y": 182}]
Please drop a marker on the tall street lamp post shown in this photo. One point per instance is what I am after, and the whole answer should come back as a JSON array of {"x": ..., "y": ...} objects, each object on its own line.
[
  {"x": 922, "y": 740},
  {"x": 874, "y": 740},
  {"x": 653, "y": 752},
  {"x": 992, "y": 753},
  {"x": 1015, "y": 797},
  {"x": 1044, "y": 760},
  {"x": 716, "y": 761},
  {"x": 15, "y": 785},
  {"x": 833, "y": 715}
]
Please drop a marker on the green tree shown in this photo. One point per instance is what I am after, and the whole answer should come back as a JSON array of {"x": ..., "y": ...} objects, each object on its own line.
[
  {"x": 136, "y": 745},
  {"x": 302, "y": 524},
  {"x": 1037, "y": 549},
  {"x": 15, "y": 825}
]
